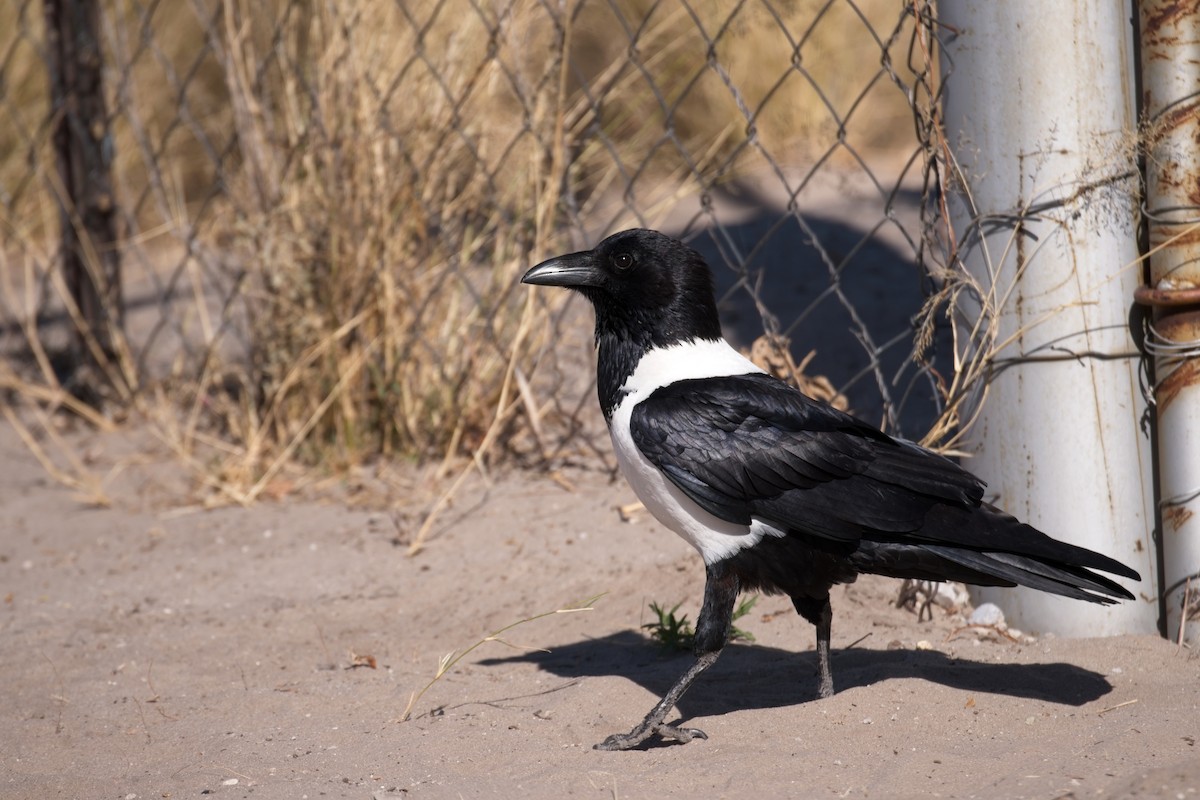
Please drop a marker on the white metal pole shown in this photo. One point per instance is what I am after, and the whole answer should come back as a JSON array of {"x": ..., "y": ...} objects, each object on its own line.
[
  {"x": 1169, "y": 35},
  {"x": 1039, "y": 112}
]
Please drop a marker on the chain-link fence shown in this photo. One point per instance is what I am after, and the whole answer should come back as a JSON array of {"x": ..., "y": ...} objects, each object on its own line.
[{"x": 320, "y": 210}]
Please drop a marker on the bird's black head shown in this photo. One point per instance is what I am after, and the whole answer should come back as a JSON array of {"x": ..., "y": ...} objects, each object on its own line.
[
  {"x": 648, "y": 290},
  {"x": 646, "y": 287}
]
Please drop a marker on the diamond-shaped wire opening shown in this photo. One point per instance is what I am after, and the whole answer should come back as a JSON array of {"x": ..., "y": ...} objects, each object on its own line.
[{"x": 456, "y": 135}]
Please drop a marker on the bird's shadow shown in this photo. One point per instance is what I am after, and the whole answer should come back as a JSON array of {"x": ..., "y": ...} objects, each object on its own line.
[{"x": 754, "y": 676}]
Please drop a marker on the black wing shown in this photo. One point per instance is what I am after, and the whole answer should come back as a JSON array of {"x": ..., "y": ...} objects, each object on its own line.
[{"x": 752, "y": 446}]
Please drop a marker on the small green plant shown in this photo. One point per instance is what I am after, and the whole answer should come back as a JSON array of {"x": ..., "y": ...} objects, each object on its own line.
[{"x": 675, "y": 632}]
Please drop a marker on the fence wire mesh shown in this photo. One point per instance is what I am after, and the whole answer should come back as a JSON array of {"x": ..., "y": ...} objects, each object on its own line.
[{"x": 323, "y": 210}]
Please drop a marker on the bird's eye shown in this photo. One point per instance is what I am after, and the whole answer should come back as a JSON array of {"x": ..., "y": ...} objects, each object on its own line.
[{"x": 623, "y": 261}]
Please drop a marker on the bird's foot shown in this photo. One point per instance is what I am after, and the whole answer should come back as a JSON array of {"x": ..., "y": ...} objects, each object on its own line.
[
  {"x": 672, "y": 733},
  {"x": 825, "y": 687}
]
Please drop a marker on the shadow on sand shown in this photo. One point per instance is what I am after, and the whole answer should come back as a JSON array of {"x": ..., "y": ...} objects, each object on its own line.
[{"x": 753, "y": 676}]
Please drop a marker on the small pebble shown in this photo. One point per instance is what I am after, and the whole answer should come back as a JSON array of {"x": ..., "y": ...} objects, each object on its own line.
[{"x": 987, "y": 614}]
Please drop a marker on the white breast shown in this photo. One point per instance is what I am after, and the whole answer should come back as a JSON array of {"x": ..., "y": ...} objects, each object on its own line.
[{"x": 713, "y": 537}]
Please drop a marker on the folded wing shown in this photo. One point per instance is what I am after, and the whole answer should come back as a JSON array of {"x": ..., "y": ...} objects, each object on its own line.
[{"x": 752, "y": 447}]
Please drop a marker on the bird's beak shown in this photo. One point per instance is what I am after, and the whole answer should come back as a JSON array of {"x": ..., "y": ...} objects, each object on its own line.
[{"x": 576, "y": 269}]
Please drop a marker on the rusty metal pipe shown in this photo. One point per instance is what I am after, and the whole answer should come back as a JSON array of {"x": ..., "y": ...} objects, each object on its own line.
[{"x": 1169, "y": 34}]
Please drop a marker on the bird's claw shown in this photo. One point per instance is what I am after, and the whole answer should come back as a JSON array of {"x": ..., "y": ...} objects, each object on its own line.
[{"x": 672, "y": 733}]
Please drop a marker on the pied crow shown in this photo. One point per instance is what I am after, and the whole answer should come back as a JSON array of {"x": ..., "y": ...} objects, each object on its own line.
[{"x": 778, "y": 492}]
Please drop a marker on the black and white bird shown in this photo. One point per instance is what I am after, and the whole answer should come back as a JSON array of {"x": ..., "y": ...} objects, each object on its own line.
[{"x": 778, "y": 492}]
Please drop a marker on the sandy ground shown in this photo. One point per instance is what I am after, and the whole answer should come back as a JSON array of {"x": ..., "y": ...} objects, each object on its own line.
[{"x": 157, "y": 652}]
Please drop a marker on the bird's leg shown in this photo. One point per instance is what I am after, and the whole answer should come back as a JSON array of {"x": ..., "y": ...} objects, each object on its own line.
[
  {"x": 820, "y": 614},
  {"x": 712, "y": 630},
  {"x": 824, "y": 634},
  {"x": 653, "y": 723}
]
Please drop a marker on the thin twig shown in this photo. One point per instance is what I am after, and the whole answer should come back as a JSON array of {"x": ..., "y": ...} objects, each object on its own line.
[
  {"x": 1118, "y": 705},
  {"x": 447, "y": 662}
]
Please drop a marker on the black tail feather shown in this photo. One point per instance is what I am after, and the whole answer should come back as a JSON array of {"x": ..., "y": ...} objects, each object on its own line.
[
  {"x": 987, "y": 529},
  {"x": 984, "y": 541},
  {"x": 1083, "y": 578},
  {"x": 1062, "y": 579}
]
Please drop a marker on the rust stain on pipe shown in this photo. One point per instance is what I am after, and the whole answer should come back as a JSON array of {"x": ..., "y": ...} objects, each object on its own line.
[
  {"x": 1177, "y": 116},
  {"x": 1147, "y": 296},
  {"x": 1159, "y": 18},
  {"x": 1181, "y": 328},
  {"x": 1186, "y": 238},
  {"x": 1177, "y": 516},
  {"x": 1185, "y": 376}
]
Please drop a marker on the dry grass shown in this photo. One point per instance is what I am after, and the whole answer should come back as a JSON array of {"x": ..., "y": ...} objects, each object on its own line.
[
  {"x": 332, "y": 203},
  {"x": 742, "y": 89},
  {"x": 382, "y": 299}
]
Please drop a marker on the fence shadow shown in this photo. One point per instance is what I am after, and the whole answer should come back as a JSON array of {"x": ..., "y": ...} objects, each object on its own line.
[{"x": 851, "y": 294}]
